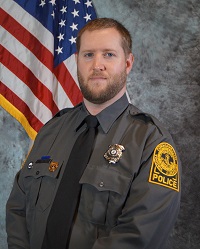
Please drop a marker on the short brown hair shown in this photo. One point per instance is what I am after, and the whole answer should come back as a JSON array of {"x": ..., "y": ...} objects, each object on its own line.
[{"x": 104, "y": 23}]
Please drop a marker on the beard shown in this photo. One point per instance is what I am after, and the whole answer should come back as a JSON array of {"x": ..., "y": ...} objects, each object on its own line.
[{"x": 98, "y": 94}]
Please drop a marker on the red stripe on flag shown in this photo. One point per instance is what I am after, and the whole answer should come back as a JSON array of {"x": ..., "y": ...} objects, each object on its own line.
[
  {"x": 27, "y": 39},
  {"x": 25, "y": 75},
  {"x": 21, "y": 106},
  {"x": 70, "y": 87}
]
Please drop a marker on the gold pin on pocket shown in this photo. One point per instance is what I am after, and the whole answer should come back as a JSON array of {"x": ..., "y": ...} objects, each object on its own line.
[{"x": 53, "y": 166}]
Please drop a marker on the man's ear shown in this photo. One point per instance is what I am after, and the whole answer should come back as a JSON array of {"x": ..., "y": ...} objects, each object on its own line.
[{"x": 129, "y": 63}]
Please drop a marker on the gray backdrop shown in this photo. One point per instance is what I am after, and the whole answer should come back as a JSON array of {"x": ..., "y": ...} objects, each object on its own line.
[{"x": 164, "y": 82}]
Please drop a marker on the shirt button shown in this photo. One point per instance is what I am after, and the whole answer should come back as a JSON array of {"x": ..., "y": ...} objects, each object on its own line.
[
  {"x": 101, "y": 184},
  {"x": 37, "y": 172}
]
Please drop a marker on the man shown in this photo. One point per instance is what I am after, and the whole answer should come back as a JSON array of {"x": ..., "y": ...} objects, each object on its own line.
[{"x": 130, "y": 188}]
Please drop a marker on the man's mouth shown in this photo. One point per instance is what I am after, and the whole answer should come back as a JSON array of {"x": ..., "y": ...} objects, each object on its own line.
[{"x": 97, "y": 77}]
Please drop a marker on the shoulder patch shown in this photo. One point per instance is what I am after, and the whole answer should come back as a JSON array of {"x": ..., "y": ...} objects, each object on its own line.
[{"x": 164, "y": 168}]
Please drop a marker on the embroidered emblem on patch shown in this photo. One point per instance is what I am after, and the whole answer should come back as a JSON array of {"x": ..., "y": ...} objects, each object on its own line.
[{"x": 164, "y": 168}]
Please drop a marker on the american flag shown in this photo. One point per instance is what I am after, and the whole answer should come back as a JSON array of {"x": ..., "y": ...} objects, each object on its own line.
[{"x": 38, "y": 69}]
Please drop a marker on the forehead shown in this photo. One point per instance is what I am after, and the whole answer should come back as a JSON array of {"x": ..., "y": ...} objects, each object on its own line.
[{"x": 104, "y": 38}]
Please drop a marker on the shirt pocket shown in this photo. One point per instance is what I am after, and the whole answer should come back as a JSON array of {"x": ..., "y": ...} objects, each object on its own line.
[
  {"x": 104, "y": 191},
  {"x": 40, "y": 183}
]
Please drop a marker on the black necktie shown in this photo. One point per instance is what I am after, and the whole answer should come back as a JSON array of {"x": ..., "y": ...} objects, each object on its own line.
[{"x": 65, "y": 203}]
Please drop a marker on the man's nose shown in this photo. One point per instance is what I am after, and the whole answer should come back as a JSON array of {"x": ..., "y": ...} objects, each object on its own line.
[{"x": 98, "y": 64}]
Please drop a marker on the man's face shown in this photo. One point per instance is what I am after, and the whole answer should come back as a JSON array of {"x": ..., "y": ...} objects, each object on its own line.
[{"x": 102, "y": 65}]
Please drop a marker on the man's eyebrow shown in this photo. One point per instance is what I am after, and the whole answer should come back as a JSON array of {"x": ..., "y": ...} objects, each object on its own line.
[
  {"x": 109, "y": 50},
  {"x": 94, "y": 50},
  {"x": 87, "y": 50}
]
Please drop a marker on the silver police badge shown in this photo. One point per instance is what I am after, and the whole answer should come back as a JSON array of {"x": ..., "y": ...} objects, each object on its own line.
[{"x": 114, "y": 153}]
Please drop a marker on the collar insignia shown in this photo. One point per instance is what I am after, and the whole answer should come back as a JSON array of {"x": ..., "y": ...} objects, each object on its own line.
[{"x": 114, "y": 153}]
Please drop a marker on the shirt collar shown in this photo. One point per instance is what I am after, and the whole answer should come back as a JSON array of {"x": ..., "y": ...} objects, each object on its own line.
[
  {"x": 82, "y": 114},
  {"x": 107, "y": 116}
]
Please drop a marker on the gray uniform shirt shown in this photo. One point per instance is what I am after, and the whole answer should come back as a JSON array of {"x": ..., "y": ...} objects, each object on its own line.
[{"x": 130, "y": 204}]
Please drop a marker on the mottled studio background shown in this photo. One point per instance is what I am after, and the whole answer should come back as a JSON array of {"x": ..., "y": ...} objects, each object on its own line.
[{"x": 165, "y": 81}]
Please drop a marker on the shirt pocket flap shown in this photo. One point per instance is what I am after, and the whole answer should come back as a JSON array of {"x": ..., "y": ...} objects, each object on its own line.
[
  {"x": 106, "y": 179},
  {"x": 37, "y": 170}
]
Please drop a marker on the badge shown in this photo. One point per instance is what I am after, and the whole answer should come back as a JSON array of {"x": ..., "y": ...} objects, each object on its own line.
[
  {"x": 53, "y": 166},
  {"x": 164, "y": 167},
  {"x": 114, "y": 153}
]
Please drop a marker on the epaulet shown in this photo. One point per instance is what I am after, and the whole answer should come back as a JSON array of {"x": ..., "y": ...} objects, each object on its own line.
[
  {"x": 65, "y": 110},
  {"x": 143, "y": 117},
  {"x": 62, "y": 112}
]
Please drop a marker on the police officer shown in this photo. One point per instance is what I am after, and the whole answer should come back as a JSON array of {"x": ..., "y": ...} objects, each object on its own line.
[{"x": 130, "y": 188}]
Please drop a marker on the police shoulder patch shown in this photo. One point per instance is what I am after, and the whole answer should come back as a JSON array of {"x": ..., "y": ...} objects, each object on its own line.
[{"x": 164, "y": 168}]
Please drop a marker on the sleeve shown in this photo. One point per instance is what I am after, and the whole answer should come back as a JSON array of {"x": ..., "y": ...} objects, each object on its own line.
[
  {"x": 152, "y": 205},
  {"x": 16, "y": 228}
]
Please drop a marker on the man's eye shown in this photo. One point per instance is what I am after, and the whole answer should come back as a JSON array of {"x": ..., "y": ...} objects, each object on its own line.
[
  {"x": 109, "y": 55},
  {"x": 88, "y": 55}
]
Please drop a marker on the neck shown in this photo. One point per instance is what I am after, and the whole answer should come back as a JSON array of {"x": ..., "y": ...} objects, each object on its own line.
[{"x": 94, "y": 109}]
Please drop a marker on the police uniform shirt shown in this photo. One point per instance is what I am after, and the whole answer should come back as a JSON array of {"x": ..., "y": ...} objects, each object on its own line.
[{"x": 130, "y": 188}]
